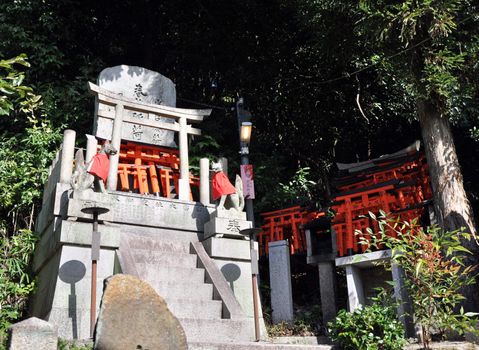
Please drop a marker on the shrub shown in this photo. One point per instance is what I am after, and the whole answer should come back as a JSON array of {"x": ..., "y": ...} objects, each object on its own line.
[
  {"x": 306, "y": 323},
  {"x": 15, "y": 282},
  {"x": 373, "y": 327},
  {"x": 433, "y": 262},
  {"x": 64, "y": 344}
]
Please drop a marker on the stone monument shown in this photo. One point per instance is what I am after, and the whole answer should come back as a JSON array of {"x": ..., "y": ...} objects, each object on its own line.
[{"x": 142, "y": 85}]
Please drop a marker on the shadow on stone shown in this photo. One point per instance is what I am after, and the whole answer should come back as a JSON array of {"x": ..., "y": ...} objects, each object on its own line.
[
  {"x": 232, "y": 272},
  {"x": 72, "y": 272}
]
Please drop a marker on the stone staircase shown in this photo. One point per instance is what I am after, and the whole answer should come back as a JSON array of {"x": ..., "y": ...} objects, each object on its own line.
[{"x": 172, "y": 270}]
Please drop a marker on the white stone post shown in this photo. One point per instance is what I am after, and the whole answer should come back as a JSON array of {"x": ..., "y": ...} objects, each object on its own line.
[
  {"x": 205, "y": 181},
  {"x": 280, "y": 281},
  {"x": 355, "y": 287},
  {"x": 115, "y": 142},
  {"x": 68, "y": 153},
  {"x": 91, "y": 147},
  {"x": 184, "y": 182}
]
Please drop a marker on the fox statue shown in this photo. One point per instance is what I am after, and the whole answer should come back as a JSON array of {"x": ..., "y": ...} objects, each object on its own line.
[
  {"x": 93, "y": 173},
  {"x": 229, "y": 197}
]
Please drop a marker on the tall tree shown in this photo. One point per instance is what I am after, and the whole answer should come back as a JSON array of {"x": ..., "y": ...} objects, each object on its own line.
[{"x": 430, "y": 45}]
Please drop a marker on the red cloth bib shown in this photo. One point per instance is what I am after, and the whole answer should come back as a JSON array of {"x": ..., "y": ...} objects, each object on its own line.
[
  {"x": 221, "y": 185},
  {"x": 99, "y": 166}
]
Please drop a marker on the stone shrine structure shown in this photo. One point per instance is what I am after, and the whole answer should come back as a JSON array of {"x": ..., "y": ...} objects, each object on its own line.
[
  {"x": 189, "y": 252},
  {"x": 142, "y": 85}
]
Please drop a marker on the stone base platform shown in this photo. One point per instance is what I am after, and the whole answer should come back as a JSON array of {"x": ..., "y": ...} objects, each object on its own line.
[{"x": 255, "y": 345}]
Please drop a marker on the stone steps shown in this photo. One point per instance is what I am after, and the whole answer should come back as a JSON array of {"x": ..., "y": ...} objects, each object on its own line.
[
  {"x": 185, "y": 308},
  {"x": 172, "y": 290},
  {"x": 164, "y": 259},
  {"x": 155, "y": 274},
  {"x": 160, "y": 246},
  {"x": 170, "y": 269},
  {"x": 253, "y": 346},
  {"x": 223, "y": 330}
]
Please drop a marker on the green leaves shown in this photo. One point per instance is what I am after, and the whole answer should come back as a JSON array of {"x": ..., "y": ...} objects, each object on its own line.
[
  {"x": 12, "y": 93},
  {"x": 24, "y": 155},
  {"x": 433, "y": 262},
  {"x": 426, "y": 39},
  {"x": 368, "y": 327},
  {"x": 15, "y": 281},
  {"x": 24, "y": 160}
]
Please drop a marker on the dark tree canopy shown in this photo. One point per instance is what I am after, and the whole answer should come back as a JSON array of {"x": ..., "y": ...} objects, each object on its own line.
[{"x": 301, "y": 66}]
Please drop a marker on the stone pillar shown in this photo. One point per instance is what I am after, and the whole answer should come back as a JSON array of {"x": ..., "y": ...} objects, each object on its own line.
[
  {"x": 280, "y": 281},
  {"x": 91, "y": 147},
  {"x": 404, "y": 309},
  {"x": 68, "y": 153},
  {"x": 327, "y": 290},
  {"x": 205, "y": 181},
  {"x": 184, "y": 182},
  {"x": 33, "y": 334},
  {"x": 224, "y": 165},
  {"x": 355, "y": 287},
  {"x": 115, "y": 142}
]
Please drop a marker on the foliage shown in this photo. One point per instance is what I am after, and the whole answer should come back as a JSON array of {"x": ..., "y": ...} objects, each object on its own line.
[
  {"x": 26, "y": 150},
  {"x": 15, "y": 281},
  {"x": 300, "y": 189},
  {"x": 204, "y": 147},
  {"x": 305, "y": 323},
  {"x": 370, "y": 327},
  {"x": 24, "y": 163},
  {"x": 14, "y": 95},
  {"x": 433, "y": 262},
  {"x": 64, "y": 344},
  {"x": 435, "y": 54},
  {"x": 298, "y": 327}
]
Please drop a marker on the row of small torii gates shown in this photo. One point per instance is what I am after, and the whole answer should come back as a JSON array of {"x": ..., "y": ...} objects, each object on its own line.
[{"x": 397, "y": 183}]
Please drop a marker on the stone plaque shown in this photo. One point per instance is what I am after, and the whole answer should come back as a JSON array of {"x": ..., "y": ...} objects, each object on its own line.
[
  {"x": 226, "y": 227},
  {"x": 145, "y": 86}
]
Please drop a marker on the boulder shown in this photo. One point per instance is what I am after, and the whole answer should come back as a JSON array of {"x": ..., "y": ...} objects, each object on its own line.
[
  {"x": 133, "y": 316},
  {"x": 33, "y": 334}
]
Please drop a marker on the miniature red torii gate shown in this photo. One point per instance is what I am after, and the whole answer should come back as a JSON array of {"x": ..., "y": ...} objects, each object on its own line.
[
  {"x": 285, "y": 224},
  {"x": 150, "y": 169}
]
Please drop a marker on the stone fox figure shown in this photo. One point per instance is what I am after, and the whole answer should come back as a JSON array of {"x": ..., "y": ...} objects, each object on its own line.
[
  {"x": 223, "y": 189},
  {"x": 95, "y": 172}
]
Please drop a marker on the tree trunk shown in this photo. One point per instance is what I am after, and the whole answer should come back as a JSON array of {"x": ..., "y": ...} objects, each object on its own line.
[{"x": 451, "y": 205}]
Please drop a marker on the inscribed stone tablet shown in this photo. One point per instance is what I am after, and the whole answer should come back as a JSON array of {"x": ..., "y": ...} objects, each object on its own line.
[{"x": 142, "y": 85}]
